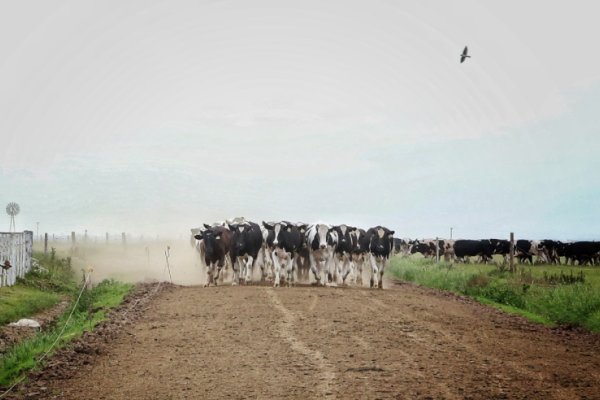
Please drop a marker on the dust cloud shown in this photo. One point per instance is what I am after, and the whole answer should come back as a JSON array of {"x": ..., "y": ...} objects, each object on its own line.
[{"x": 137, "y": 262}]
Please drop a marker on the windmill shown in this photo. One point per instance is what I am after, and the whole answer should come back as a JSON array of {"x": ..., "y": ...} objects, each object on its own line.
[{"x": 12, "y": 209}]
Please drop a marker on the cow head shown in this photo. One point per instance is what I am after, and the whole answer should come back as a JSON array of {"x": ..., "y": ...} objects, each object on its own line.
[
  {"x": 321, "y": 236},
  {"x": 277, "y": 228},
  {"x": 357, "y": 237},
  {"x": 209, "y": 236},
  {"x": 344, "y": 238},
  {"x": 238, "y": 231}
]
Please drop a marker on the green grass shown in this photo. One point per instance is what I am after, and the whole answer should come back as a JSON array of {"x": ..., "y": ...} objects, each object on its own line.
[
  {"x": 92, "y": 309},
  {"x": 48, "y": 282},
  {"x": 528, "y": 292},
  {"x": 20, "y": 301}
]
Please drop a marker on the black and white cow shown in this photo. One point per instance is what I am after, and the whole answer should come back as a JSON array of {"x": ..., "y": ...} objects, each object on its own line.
[
  {"x": 381, "y": 245},
  {"x": 215, "y": 244},
  {"x": 303, "y": 259},
  {"x": 343, "y": 251},
  {"x": 501, "y": 247},
  {"x": 360, "y": 253},
  {"x": 526, "y": 249},
  {"x": 428, "y": 248},
  {"x": 321, "y": 241},
  {"x": 402, "y": 246},
  {"x": 286, "y": 244},
  {"x": 245, "y": 245},
  {"x": 553, "y": 250}
]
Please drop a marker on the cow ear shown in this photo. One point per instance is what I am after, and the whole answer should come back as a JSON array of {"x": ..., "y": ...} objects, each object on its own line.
[
  {"x": 231, "y": 227},
  {"x": 267, "y": 225},
  {"x": 302, "y": 227},
  {"x": 207, "y": 226},
  {"x": 392, "y": 232},
  {"x": 198, "y": 237}
]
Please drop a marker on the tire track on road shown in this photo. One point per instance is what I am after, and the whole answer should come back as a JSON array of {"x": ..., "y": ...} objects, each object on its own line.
[{"x": 315, "y": 356}]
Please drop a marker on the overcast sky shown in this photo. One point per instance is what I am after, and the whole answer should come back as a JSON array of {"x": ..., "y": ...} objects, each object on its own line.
[{"x": 152, "y": 117}]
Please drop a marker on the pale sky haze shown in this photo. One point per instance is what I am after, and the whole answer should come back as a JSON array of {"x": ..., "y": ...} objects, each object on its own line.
[{"x": 151, "y": 117}]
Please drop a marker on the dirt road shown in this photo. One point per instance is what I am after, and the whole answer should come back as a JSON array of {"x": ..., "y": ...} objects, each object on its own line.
[{"x": 344, "y": 343}]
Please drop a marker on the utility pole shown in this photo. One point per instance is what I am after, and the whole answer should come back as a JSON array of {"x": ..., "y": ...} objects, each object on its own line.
[{"x": 451, "y": 232}]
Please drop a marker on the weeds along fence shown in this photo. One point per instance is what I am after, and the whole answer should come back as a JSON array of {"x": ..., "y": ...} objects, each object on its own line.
[{"x": 16, "y": 249}]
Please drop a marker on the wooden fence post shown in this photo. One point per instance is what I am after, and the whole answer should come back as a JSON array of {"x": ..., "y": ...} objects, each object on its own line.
[
  {"x": 73, "y": 238},
  {"x": 46, "y": 243},
  {"x": 123, "y": 239},
  {"x": 512, "y": 253},
  {"x": 106, "y": 237},
  {"x": 437, "y": 250}
]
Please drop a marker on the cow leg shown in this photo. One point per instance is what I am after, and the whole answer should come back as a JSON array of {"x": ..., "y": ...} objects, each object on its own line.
[
  {"x": 384, "y": 263},
  {"x": 249, "y": 265},
  {"x": 209, "y": 274},
  {"x": 347, "y": 267},
  {"x": 373, "y": 270},
  {"x": 291, "y": 264},
  {"x": 358, "y": 279},
  {"x": 236, "y": 266},
  {"x": 276, "y": 269},
  {"x": 313, "y": 267}
]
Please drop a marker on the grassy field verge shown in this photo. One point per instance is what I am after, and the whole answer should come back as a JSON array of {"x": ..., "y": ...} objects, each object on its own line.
[
  {"x": 52, "y": 279},
  {"x": 560, "y": 295},
  {"x": 90, "y": 310}
]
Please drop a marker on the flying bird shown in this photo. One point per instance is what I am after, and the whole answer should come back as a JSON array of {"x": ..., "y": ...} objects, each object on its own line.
[{"x": 464, "y": 54}]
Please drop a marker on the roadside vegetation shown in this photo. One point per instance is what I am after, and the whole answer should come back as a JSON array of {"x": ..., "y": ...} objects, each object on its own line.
[
  {"x": 50, "y": 281},
  {"x": 551, "y": 295}
]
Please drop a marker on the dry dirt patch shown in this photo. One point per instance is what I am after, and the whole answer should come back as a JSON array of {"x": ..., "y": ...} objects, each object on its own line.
[{"x": 305, "y": 342}]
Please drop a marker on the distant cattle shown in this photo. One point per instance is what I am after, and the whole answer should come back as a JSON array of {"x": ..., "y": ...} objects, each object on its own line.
[
  {"x": 215, "y": 245},
  {"x": 463, "y": 249},
  {"x": 245, "y": 245},
  {"x": 321, "y": 241},
  {"x": 428, "y": 248},
  {"x": 381, "y": 245},
  {"x": 525, "y": 250},
  {"x": 583, "y": 252},
  {"x": 553, "y": 250},
  {"x": 501, "y": 247},
  {"x": 402, "y": 246}
]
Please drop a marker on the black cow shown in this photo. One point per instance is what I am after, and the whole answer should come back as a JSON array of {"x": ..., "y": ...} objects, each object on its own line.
[
  {"x": 245, "y": 245},
  {"x": 583, "y": 252},
  {"x": 286, "y": 243},
  {"x": 215, "y": 245},
  {"x": 381, "y": 245},
  {"x": 471, "y": 248}
]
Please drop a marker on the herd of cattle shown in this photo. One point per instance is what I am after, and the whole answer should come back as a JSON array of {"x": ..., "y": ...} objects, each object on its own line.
[
  {"x": 545, "y": 251},
  {"x": 289, "y": 251},
  {"x": 284, "y": 249}
]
